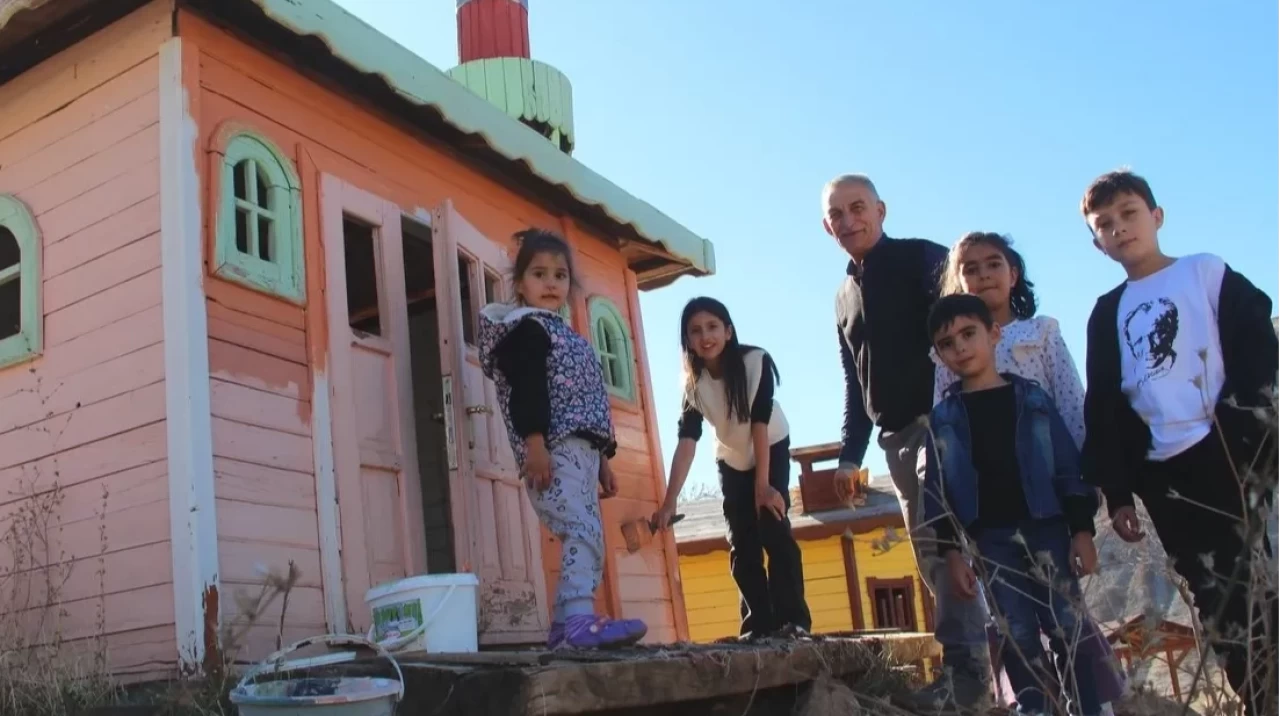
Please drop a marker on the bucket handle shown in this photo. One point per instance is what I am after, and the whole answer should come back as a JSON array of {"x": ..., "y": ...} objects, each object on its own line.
[
  {"x": 399, "y": 643},
  {"x": 275, "y": 659}
]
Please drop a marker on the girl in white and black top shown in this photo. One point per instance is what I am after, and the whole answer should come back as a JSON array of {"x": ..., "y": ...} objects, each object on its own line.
[{"x": 730, "y": 385}]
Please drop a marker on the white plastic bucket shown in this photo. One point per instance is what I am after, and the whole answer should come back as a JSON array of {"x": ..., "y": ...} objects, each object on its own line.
[{"x": 431, "y": 612}]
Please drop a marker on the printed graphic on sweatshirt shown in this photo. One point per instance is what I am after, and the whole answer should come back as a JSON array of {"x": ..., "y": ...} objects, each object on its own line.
[{"x": 1150, "y": 331}]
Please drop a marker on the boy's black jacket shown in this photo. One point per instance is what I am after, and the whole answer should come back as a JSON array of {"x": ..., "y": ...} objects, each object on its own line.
[{"x": 1117, "y": 440}]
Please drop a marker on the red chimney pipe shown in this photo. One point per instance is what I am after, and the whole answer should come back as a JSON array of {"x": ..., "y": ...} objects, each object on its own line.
[{"x": 492, "y": 28}]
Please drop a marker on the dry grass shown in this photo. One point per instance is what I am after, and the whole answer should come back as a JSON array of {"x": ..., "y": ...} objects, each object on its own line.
[
  {"x": 210, "y": 696},
  {"x": 41, "y": 672}
]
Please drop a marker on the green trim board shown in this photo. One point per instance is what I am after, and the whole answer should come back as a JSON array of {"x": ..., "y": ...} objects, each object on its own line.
[
  {"x": 613, "y": 346},
  {"x": 19, "y": 226},
  {"x": 528, "y": 90},
  {"x": 259, "y": 229},
  {"x": 365, "y": 49}
]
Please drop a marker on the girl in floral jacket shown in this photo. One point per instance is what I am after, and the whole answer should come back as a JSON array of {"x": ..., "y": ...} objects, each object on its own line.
[{"x": 552, "y": 394}]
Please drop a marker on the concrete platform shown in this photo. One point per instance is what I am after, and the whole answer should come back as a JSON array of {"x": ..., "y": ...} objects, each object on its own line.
[{"x": 541, "y": 683}]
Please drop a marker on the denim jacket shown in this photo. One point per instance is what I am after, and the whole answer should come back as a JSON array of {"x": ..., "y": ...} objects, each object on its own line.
[{"x": 1048, "y": 459}]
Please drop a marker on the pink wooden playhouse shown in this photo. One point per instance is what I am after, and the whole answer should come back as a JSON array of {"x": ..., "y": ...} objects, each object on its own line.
[{"x": 242, "y": 247}]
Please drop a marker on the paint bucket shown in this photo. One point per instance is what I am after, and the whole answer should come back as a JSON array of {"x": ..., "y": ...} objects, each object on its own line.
[
  {"x": 318, "y": 696},
  {"x": 430, "y": 612}
]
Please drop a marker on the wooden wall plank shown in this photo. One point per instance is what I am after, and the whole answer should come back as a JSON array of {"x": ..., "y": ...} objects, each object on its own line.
[{"x": 79, "y": 145}]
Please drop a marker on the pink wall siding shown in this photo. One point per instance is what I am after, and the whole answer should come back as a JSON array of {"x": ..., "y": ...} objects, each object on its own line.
[
  {"x": 79, "y": 144},
  {"x": 266, "y": 362},
  {"x": 262, "y": 457}
]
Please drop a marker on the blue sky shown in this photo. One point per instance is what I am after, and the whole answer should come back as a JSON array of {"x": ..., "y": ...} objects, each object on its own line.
[{"x": 993, "y": 115}]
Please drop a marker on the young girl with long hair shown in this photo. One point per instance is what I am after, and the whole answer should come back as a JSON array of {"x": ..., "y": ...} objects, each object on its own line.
[
  {"x": 730, "y": 385},
  {"x": 552, "y": 395},
  {"x": 1031, "y": 346}
]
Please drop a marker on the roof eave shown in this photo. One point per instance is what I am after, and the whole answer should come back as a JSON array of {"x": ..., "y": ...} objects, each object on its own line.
[
  {"x": 32, "y": 30},
  {"x": 416, "y": 82}
]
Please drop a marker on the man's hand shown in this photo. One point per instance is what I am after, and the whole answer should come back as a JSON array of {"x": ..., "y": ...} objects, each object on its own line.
[
  {"x": 963, "y": 580},
  {"x": 1084, "y": 554},
  {"x": 843, "y": 482},
  {"x": 768, "y": 500},
  {"x": 537, "y": 463},
  {"x": 608, "y": 483},
  {"x": 1127, "y": 525}
]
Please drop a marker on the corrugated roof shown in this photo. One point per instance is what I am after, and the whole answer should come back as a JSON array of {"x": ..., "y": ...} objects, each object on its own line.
[
  {"x": 704, "y": 519},
  {"x": 359, "y": 46}
]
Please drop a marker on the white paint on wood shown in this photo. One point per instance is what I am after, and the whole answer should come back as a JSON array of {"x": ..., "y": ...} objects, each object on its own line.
[
  {"x": 193, "y": 523},
  {"x": 335, "y": 601}
]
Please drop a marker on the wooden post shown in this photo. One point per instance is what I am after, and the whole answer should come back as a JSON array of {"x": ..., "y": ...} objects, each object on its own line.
[{"x": 852, "y": 581}]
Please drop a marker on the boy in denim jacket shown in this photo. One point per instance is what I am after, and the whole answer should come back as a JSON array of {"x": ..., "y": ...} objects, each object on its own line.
[{"x": 1002, "y": 470}]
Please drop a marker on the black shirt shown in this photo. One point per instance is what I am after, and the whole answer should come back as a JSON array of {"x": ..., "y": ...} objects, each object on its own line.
[
  {"x": 690, "y": 425},
  {"x": 1002, "y": 503},
  {"x": 992, "y": 428},
  {"x": 881, "y": 314}
]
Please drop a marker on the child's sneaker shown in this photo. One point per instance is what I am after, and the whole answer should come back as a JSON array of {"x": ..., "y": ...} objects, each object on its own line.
[
  {"x": 556, "y": 637},
  {"x": 588, "y": 631}
]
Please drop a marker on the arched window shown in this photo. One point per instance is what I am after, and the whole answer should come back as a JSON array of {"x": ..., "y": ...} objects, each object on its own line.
[
  {"x": 21, "y": 312},
  {"x": 259, "y": 235},
  {"x": 612, "y": 343}
]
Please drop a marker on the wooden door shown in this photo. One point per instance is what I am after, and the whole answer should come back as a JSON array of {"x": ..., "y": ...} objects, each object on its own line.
[
  {"x": 496, "y": 531},
  {"x": 374, "y": 450}
]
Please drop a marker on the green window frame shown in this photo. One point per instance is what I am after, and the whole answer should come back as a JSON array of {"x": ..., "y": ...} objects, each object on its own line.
[
  {"x": 612, "y": 343},
  {"x": 259, "y": 236},
  {"x": 18, "y": 225}
]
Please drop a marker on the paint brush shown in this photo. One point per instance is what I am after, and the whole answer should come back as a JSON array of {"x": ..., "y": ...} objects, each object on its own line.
[{"x": 631, "y": 531}]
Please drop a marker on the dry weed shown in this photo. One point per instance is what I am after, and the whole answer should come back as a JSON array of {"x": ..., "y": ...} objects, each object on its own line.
[
  {"x": 42, "y": 672},
  {"x": 1201, "y": 684}
]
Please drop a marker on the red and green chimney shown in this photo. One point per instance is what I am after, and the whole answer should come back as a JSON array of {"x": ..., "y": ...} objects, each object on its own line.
[{"x": 493, "y": 52}]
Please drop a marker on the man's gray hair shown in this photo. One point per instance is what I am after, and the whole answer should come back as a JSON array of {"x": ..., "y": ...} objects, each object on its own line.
[{"x": 845, "y": 179}]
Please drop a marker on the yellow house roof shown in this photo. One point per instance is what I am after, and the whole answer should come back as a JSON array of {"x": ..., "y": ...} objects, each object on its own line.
[
  {"x": 703, "y": 525},
  {"x": 360, "y": 47}
]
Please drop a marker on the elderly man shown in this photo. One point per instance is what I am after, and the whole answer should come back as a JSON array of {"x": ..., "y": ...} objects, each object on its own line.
[{"x": 881, "y": 310}]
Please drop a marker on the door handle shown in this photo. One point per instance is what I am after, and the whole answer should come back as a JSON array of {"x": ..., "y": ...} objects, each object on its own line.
[{"x": 479, "y": 409}]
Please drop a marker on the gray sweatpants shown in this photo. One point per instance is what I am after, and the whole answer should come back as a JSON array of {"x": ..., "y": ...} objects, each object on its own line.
[
  {"x": 959, "y": 624},
  {"x": 570, "y": 508}
]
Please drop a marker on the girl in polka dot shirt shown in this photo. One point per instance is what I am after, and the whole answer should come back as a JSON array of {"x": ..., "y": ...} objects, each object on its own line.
[{"x": 1032, "y": 347}]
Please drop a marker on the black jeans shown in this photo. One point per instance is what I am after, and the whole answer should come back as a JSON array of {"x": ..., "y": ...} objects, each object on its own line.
[
  {"x": 767, "y": 603},
  {"x": 1204, "y": 519}
]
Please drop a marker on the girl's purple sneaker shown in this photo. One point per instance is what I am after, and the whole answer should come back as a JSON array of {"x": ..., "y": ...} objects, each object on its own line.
[
  {"x": 556, "y": 637},
  {"x": 592, "y": 632}
]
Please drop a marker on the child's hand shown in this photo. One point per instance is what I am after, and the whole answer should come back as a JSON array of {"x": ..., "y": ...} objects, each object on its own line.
[
  {"x": 1084, "y": 554},
  {"x": 608, "y": 483},
  {"x": 537, "y": 463},
  {"x": 962, "y": 577},
  {"x": 769, "y": 501},
  {"x": 1127, "y": 525},
  {"x": 662, "y": 518}
]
